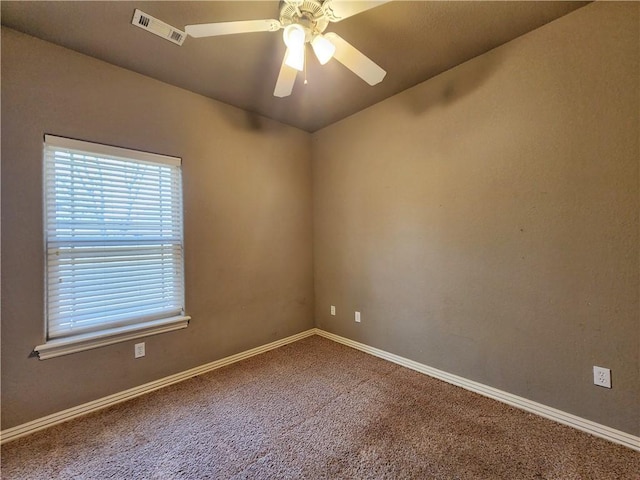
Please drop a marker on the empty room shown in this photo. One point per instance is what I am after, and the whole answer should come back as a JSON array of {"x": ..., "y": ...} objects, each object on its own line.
[{"x": 320, "y": 239}]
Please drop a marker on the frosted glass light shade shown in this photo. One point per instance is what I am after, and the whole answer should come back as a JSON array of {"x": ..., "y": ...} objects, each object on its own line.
[
  {"x": 294, "y": 36},
  {"x": 323, "y": 49},
  {"x": 295, "y": 58}
]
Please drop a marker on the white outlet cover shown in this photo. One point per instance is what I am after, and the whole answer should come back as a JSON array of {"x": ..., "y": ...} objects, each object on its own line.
[
  {"x": 602, "y": 377},
  {"x": 333, "y": 310},
  {"x": 138, "y": 350}
]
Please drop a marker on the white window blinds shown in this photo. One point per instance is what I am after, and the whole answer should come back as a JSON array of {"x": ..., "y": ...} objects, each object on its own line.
[{"x": 113, "y": 228}]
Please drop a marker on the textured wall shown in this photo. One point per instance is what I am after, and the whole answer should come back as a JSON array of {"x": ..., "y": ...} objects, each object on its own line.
[
  {"x": 247, "y": 211},
  {"x": 485, "y": 222}
]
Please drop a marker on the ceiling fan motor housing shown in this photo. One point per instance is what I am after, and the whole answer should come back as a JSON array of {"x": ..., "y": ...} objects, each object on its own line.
[{"x": 309, "y": 14}]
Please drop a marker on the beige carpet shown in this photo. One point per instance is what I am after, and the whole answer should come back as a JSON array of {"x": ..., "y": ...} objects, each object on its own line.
[{"x": 314, "y": 409}]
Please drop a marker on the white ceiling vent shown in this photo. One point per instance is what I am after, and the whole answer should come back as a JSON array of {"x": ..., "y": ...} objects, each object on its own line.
[{"x": 158, "y": 27}]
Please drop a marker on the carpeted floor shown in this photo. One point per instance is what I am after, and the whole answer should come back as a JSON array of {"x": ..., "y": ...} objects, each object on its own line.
[{"x": 314, "y": 409}]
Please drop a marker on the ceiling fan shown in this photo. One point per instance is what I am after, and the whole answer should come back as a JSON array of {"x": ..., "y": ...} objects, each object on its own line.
[{"x": 304, "y": 22}]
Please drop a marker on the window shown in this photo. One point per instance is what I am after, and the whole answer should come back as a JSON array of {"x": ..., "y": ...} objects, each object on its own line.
[{"x": 113, "y": 240}]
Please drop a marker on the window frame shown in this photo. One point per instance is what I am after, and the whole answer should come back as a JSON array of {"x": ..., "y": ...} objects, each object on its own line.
[{"x": 72, "y": 343}]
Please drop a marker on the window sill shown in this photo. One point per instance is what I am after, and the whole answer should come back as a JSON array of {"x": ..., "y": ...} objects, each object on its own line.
[{"x": 87, "y": 341}]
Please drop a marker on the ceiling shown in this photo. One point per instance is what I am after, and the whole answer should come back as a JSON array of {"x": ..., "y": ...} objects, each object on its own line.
[{"x": 412, "y": 41}]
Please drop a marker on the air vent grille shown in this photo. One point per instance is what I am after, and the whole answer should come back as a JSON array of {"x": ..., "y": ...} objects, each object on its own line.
[
  {"x": 157, "y": 27},
  {"x": 143, "y": 20}
]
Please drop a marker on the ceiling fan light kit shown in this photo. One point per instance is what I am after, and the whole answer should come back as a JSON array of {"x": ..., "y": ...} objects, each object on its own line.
[
  {"x": 294, "y": 58},
  {"x": 294, "y": 36},
  {"x": 304, "y": 21},
  {"x": 323, "y": 48}
]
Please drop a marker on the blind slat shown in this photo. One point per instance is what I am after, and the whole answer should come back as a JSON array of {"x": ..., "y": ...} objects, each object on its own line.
[
  {"x": 91, "y": 278},
  {"x": 85, "y": 310},
  {"x": 80, "y": 199}
]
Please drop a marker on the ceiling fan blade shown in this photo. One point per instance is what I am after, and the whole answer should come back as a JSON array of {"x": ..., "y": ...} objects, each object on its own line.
[
  {"x": 286, "y": 79},
  {"x": 355, "y": 60},
  {"x": 228, "y": 28},
  {"x": 338, "y": 10}
]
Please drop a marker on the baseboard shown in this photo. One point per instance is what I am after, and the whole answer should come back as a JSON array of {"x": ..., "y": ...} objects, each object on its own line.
[
  {"x": 559, "y": 416},
  {"x": 50, "y": 420}
]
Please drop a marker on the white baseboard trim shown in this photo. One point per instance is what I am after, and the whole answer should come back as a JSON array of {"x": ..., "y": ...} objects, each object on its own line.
[
  {"x": 33, "y": 426},
  {"x": 559, "y": 416}
]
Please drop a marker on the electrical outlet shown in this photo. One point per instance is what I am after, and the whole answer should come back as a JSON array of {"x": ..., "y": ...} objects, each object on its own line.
[
  {"x": 602, "y": 377},
  {"x": 358, "y": 317},
  {"x": 333, "y": 310},
  {"x": 138, "y": 350}
]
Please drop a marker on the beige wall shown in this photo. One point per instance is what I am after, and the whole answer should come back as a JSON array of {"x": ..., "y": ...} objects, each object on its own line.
[
  {"x": 247, "y": 211},
  {"x": 485, "y": 222}
]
